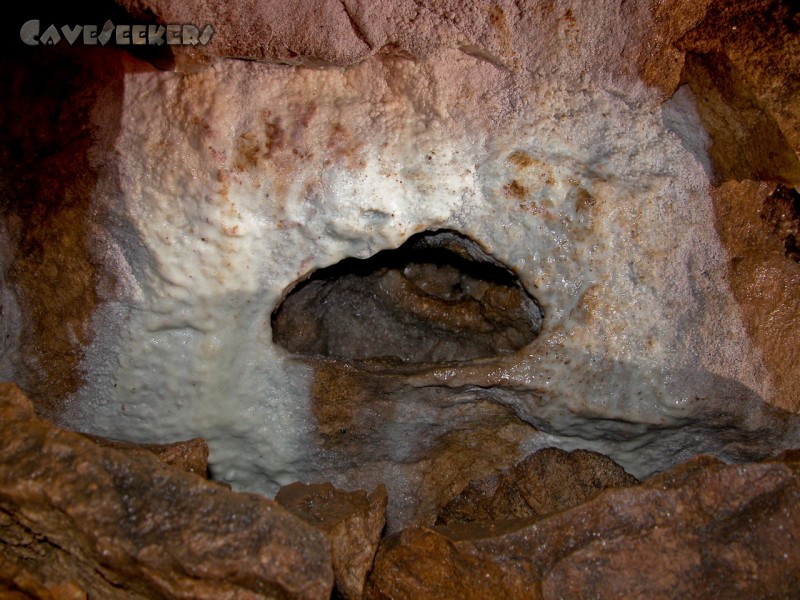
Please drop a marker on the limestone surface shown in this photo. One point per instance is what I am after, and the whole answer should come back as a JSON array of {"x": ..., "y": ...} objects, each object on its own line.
[{"x": 155, "y": 219}]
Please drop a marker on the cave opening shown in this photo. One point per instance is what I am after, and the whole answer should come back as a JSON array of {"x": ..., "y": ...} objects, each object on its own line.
[{"x": 437, "y": 298}]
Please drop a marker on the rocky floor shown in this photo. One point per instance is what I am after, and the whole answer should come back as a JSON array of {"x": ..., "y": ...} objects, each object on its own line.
[{"x": 87, "y": 518}]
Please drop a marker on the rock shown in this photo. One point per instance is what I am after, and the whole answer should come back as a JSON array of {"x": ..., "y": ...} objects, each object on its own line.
[
  {"x": 420, "y": 563},
  {"x": 743, "y": 65},
  {"x": 56, "y": 133},
  {"x": 78, "y": 518},
  {"x": 334, "y": 33},
  {"x": 547, "y": 481},
  {"x": 764, "y": 277},
  {"x": 703, "y": 527},
  {"x": 155, "y": 219},
  {"x": 438, "y": 298},
  {"x": 455, "y": 440},
  {"x": 190, "y": 455},
  {"x": 352, "y": 522}
]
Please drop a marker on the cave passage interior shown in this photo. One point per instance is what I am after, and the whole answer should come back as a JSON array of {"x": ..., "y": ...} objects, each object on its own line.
[{"x": 437, "y": 298}]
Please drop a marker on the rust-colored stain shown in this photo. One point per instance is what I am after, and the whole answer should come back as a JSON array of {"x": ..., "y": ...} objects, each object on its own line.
[
  {"x": 584, "y": 201},
  {"x": 344, "y": 148},
  {"x": 498, "y": 20},
  {"x": 515, "y": 189},
  {"x": 258, "y": 144},
  {"x": 521, "y": 159}
]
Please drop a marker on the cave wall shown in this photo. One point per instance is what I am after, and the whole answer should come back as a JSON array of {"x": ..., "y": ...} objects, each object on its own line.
[{"x": 178, "y": 206}]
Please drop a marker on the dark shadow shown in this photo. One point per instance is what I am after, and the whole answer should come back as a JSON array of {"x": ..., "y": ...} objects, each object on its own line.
[{"x": 437, "y": 298}]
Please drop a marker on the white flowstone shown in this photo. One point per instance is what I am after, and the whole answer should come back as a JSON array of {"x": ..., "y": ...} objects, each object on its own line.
[{"x": 237, "y": 181}]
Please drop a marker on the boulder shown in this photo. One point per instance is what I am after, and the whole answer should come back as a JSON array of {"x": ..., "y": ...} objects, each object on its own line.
[
  {"x": 81, "y": 520},
  {"x": 701, "y": 528},
  {"x": 545, "y": 482}
]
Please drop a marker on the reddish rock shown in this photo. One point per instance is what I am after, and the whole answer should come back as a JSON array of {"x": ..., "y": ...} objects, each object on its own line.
[
  {"x": 352, "y": 521},
  {"x": 743, "y": 63},
  {"x": 545, "y": 482},
  {"x": 190, "y": 455},
  {"x": 111, "y": 524},
  {"x": 420, "y": 563},
  {"x": 765, "y": 280},
  {"x": 703, "y": 528},
  {"x": 571, "y": 38}
]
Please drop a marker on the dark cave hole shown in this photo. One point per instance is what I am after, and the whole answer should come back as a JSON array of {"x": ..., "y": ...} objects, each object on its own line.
[
  {"x": 439, "y": 297},
  {"x": 781, "y": 210}
]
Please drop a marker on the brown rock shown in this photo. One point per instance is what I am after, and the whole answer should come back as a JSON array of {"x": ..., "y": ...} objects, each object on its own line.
[
  {"x": 659, "y": 62},
  {"x": 765, "y": 280},
  {"x": 190, "y": 455},
  {"x": 108, "y": 523},
  {"x": 701, "y": 528},
  {"x": 743, "y": 65},
  {"x": 352, "y": 521},
  {"x": 420, "y": 563},
  {"x": 59, "y": 118},
  {"x": 439, "y": 297},
  {"x": 545, "y": 482}
]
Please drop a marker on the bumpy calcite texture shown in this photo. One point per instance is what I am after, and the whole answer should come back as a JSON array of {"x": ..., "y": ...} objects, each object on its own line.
[
  {"x": 528, "y": 131},
  {"x": 236, "y": 181}
]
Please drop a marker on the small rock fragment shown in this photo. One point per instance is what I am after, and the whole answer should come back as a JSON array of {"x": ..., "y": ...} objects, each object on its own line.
[{"x": 352, "y": 521}]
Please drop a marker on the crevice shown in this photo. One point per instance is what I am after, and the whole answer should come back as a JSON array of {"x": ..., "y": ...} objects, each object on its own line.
[
  {"x": 437, "y": 298},
  {"x": 357, "y": 30}
]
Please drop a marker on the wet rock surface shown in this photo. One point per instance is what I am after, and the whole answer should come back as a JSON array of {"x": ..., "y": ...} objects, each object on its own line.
[
  {"x": 352, "y": 521},
  {"x": 548, "y": 481},
  {"x": 82, "y": 519},
  {"x": 437, "y": 298},
  {"x": 703, "y": 527}
]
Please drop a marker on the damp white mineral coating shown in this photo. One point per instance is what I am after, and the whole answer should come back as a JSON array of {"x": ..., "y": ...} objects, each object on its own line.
[{"x": 237, "y": 181}]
